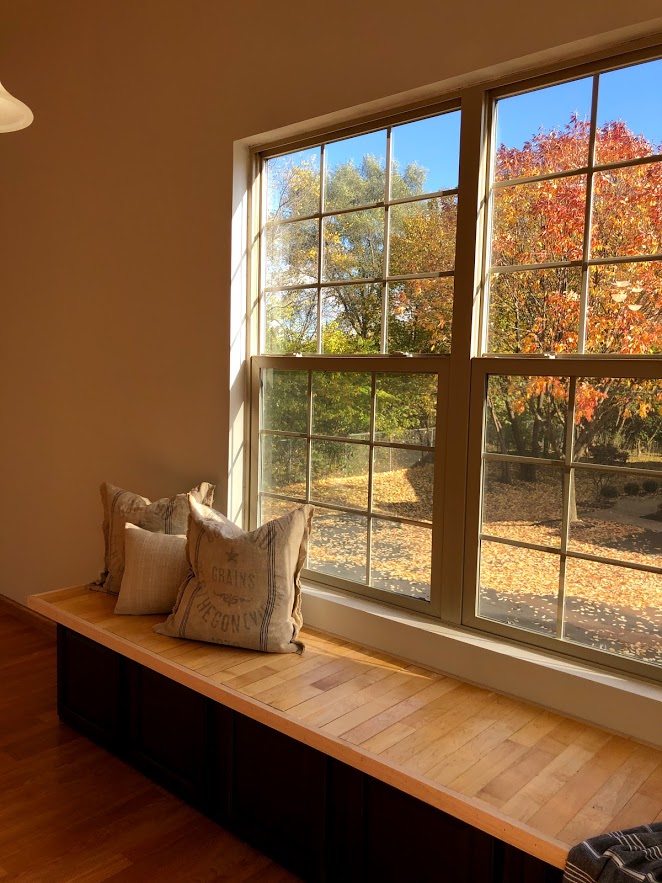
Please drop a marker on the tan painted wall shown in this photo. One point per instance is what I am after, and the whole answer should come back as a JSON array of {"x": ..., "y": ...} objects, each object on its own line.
[{"x": 115, "y": 221}]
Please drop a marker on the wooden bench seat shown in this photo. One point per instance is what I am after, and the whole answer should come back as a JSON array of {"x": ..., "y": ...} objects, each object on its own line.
[{"x": 529, "y": 777}]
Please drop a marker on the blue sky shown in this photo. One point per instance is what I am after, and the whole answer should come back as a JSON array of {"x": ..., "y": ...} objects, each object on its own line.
[
  {"x": 433, "y": 143},
  {"x": 632, "y": 94}
]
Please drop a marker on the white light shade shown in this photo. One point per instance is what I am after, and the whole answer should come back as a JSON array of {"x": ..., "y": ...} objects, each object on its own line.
[{"x": 14, "y": 114}]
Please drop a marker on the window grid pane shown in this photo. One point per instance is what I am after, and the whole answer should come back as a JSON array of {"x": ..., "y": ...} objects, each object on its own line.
[
  {"x": 364, "y": 210},
  {"x": 611, "y": 519},
  {"x": 372, "y": 479},
  {"x": 574, "y": 273},
  {"x": 536, "y": 217}
]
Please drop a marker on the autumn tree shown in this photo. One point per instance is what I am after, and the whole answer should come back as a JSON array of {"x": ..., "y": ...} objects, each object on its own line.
[
  {"x": 353, "y": 244},
  {"x": 538, "y": 311},
  {"x": 532, "y": 311}
]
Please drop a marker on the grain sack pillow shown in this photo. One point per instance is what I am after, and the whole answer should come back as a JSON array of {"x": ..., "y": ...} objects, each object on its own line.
[
  {"x": 155, "y": 566},
  {"x": 168, "y": 515},
  {"x": 244, "y": 588}
]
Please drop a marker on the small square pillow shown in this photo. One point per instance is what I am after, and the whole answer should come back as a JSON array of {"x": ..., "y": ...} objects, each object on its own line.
[
  {"x": 168, "y": 515},
  {"x": 244, "y": 589},
  {"x": 155, "y": 566}
]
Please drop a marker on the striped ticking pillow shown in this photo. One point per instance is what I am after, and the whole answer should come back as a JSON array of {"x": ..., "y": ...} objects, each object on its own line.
[
  {"x": 155, "y": 566},
  {"x": 168, "y": 515},
  {"x": 243, "y": 588}
]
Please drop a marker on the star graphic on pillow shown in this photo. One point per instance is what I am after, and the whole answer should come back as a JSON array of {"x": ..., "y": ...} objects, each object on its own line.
[{"x": 232, "y": 555}]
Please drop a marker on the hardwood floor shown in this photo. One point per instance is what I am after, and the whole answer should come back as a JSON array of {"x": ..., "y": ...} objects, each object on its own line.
[{"x": 69, "y": 811}]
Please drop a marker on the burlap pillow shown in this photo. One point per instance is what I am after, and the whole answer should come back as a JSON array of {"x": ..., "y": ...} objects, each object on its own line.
[
  {"x": 155, "y": 566},
  {"x": 168, "y": 515},
  {"x": 244, "y": 588}
]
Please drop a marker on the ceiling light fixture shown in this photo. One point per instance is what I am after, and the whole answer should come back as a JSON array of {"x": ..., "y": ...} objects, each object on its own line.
[{"x": 14, "y": 114}]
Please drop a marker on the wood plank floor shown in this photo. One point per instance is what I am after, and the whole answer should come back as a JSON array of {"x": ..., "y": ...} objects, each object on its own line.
[
  {"x": 71, "y": 811},
  {"x": 528, "y": 776}
]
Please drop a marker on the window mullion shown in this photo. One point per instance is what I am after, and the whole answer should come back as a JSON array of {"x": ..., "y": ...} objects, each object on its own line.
[
  {"x": 484, "y": 258},
  {"x": 568, "y": 494},
  {"x": 453, "y": 436},
  {"x": 320, "y": 249},
  {"x": 588, "y": 219},
  {"x": 387, "y": 233}
]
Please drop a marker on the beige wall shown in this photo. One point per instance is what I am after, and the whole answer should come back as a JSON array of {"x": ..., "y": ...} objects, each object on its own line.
[{"x": 115, "y": 221}]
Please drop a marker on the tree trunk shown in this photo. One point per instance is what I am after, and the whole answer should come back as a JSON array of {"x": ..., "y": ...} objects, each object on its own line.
[
  {"x": 527, "y": 471},
  {"x": 501, "y": 438},
  {"x": 572, "y": 502}
]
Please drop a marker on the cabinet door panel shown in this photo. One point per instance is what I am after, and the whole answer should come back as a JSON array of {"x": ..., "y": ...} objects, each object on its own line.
[
  {"x": 169, "y": 734},
  {"x": 278, "y": 796},
  {"x": 407, "y": 839},
  {"x": 345, "y": 842},
  {"x": 518, "y": 867},
  {"x": 89, "y": 688}
]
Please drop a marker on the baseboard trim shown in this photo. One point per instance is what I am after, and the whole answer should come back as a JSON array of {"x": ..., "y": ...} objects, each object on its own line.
[{"x": 19, "y": 611}]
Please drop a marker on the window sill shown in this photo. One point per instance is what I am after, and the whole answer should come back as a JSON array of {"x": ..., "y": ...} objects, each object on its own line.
[{"x": 601, "y": 697}]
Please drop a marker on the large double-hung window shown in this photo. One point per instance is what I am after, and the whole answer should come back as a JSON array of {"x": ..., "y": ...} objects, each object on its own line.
[
  {"x": 357, "y": 258},
  {"x": 463, "y": 372}
]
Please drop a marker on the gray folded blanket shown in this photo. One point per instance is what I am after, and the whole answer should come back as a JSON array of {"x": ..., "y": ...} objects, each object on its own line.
[{"x": 618, "y": 857}]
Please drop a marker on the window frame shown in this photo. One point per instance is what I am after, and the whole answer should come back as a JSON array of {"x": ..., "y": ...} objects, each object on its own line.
[
  {"x": 591, "y": 169},
  {"x": 456, "y": 511},
  {"x": 485, "y": 362},
  {"x": 569, "y": 366},
  {"x": 384, "y": 362},
  {"x": 437, "y": 365}
]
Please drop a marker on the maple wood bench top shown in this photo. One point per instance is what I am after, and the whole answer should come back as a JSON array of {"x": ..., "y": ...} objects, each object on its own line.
[{"x": 528, "y": 776}]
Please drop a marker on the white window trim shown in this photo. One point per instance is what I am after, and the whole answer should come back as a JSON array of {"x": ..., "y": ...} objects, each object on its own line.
[{"x": 575, "y": 688}]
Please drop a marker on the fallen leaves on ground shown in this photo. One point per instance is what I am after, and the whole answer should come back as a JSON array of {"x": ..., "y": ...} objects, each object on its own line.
[{"x": 603, "y": 603}]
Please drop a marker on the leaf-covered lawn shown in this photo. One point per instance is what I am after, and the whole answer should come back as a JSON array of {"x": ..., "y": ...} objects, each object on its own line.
[{"x": 607, "y": 606}]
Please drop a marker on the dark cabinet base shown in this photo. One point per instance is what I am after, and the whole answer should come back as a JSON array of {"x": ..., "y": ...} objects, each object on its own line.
[
  {"x": 278, "y": 796},
  {"x": 321, "y": 818},
  {"x": 90, "y": 688},
  {"x": 436, "y": 843},
  {"x": 169, "y": 734}
]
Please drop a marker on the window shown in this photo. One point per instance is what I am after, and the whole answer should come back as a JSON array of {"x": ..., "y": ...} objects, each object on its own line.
[
  {"x": 570, "y": 545},
  {"x": 361, "y": 446},
  {"x": 393, "y": 397},
  {"x": 357, "y": 266}
]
